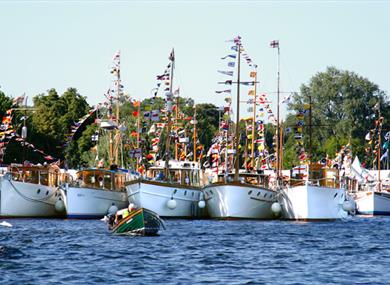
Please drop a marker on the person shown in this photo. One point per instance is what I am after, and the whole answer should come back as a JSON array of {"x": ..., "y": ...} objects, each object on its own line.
[{"x": 121, "y": 214}]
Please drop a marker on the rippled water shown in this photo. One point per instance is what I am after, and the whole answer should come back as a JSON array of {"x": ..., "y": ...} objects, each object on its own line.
[{"x": 196, "y": 252}]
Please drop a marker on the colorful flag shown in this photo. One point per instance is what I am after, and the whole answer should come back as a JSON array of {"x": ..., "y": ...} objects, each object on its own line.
[
  {"x": 252, "y": 74},
  {"x": 251, "y": 92},
  {"x": 231, "y": 63},
  {"x": 275, "y": 44}
]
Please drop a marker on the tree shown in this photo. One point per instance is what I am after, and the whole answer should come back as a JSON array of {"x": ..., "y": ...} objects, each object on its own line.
[
  {"x": 342, "y": 107},
  {"x": 5, "y": 103}
]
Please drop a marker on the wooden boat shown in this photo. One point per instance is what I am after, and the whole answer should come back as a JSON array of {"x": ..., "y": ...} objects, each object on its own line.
[{"x": 139, "y": 222}]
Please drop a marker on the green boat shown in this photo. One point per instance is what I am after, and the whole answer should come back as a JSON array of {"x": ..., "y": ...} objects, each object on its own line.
[{"x": 139, "y": 222}]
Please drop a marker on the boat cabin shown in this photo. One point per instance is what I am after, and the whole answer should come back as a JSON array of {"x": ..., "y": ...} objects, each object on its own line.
[
  {"x": 101, "y": 179},
  {"x": 180, "y": 172},
  {"x": 256, "y": 179},
  {"x": 317, "y": 174},
  {"x": 42, "y": 175}
]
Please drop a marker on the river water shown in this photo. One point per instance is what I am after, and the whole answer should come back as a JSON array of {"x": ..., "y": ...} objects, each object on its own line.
[{"x": 45, "y": 251}]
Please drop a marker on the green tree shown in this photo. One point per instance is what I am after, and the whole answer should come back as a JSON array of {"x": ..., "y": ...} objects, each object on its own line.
[{"x": 342, "y": 107}]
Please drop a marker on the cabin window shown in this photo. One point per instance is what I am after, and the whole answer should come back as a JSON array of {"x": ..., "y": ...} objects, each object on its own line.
[
  {"x": 31, "y": 176},
  {"x": 44, "y": 178}
]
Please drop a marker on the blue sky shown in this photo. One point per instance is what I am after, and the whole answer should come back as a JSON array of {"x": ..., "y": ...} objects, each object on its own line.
[{"x": 61, "y": 44}]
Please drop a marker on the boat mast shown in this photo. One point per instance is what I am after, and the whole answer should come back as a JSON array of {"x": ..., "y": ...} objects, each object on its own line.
[
  {"x": 195, "y": 122},
  {"x": 138, "y": 132},
  {"x": 169, "y": 114},
  {"x": 176, "y": 126},
  {"x": 379, "y": 146},
  {"x": 237, "y": 136},
  {"x": 117, "y": 131},
  {"x": 278, "y": 144},
  {"x": 254, "y": 122}
]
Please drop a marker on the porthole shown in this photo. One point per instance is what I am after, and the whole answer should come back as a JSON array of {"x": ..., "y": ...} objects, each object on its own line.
[
  {"x": 250, "y": 192},
  {"x": 335, "y": 195},
  {"x": 193, "y": 193},
  {"x": 38, "y": 191},
  {"x": 265, "y": 195},
  {"x": 47, "y": 192},
  {"x": 211, "y": 191},
  {"x": 258, "y": 193},
  {"x": 185, "y": 193}
]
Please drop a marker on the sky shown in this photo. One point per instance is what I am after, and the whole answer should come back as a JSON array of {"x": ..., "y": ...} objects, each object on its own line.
[{"x": 62, "y": 44}]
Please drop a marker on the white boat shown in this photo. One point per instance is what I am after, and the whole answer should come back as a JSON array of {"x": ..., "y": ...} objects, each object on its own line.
[
  {"x": 370, "y": 199},
  {"x": 372, "y": 202},
  {"x": 319, "y": 197},
  {"x": 179, "y": 196},
  {"x": 94, "y": 193},
  {"x": 245, "y": 199},
  {"x": 30, "y": 191}
]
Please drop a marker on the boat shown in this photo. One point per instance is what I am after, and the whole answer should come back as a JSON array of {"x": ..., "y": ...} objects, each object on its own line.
[
  {"x": 371, "y": 196},
  {"x": 315, "y": 194},
  {"x": 179, "y": 196},
  {"x": 97, "y": 191},
  {"x": 94, "y": 193},
  {"x": 171, "y": 187},
  {"x": 31, "y": 191},
  {"x": 138, "y": 222},
  {"x": 238, "y": 194}
]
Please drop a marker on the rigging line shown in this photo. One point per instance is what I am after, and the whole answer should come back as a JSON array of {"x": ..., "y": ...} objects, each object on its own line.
[{"x": 31, "y": 199}]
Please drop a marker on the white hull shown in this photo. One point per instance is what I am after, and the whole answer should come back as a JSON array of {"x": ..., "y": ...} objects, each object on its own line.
[
  {"x": 239, "y": 201},
  {"x": 372, "y": 203},
  {"x": 309, "y": 202},
  {"x": 88, "y": 203},
  {"x": 154, "y": 196},
  {"x": 21, "y": 199}
]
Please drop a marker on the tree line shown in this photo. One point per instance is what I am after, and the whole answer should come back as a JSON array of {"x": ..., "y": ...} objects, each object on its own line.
[{"x": 344, "y": 108}]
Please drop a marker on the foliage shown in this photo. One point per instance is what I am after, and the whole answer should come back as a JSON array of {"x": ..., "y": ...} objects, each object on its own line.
[{"x": 342, "y": 111}]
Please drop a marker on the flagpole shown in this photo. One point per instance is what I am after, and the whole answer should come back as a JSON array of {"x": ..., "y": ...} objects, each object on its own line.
[
  {"x": 117, "y": 135},
  {"x": 195, "y": 122},
  {"x": 237, "y": 137},
  {"x": 254, "y": 123},
  {"x": 169, "y": 114},
  {"x": 138, "y": 131},
  {"x": 379, "y": 146},
  {"x": 278, "y": 166}
]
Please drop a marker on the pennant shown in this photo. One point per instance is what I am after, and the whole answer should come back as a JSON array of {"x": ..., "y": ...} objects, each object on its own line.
[
  {"x": 247, "y": 83},
  {"x": 251, "y": 92},
  {"x": 230, "y": 73},
  {"x": 229, "y": 55},
  {"x": 253, "y": 74}
]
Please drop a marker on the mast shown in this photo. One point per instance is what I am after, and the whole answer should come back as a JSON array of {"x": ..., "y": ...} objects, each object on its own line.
[
  {"x": 254, "y": 123},
  {"x": 379, "y": 146},
  {"x": 237, "y": 137},
  {"x": 169, "y": 114},
  {"x": 118, "y": 88},
  {"x": 278, "y": 146},
  {"x": 195, "y": 122},
  {"x": 138, "y": 131},
  {"x": 310, "y": 130},
  {"x": 176, "y": 125}
]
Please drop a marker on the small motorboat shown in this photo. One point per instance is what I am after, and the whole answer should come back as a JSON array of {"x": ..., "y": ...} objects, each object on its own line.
[{"x": 138, "y": 222}]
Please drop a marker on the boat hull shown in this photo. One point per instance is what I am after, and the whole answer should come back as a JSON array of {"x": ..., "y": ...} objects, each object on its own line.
[
  {"x": 139, "y": 222},
  {"x": 308, "y": 202},
  {"x": 155, "y": 196},
  {"x": 372, "y": 203},
  {"x": 88, "y": 203},
  {"x": 239, "y": 201},
  {"x": 21, "y": 199}
]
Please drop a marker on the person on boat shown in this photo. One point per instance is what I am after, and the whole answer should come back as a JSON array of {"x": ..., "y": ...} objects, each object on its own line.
[{"x": 122, "y": 214}]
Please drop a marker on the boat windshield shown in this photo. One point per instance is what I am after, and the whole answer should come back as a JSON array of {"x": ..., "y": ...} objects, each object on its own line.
[{"x": 101, "y": 179}]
